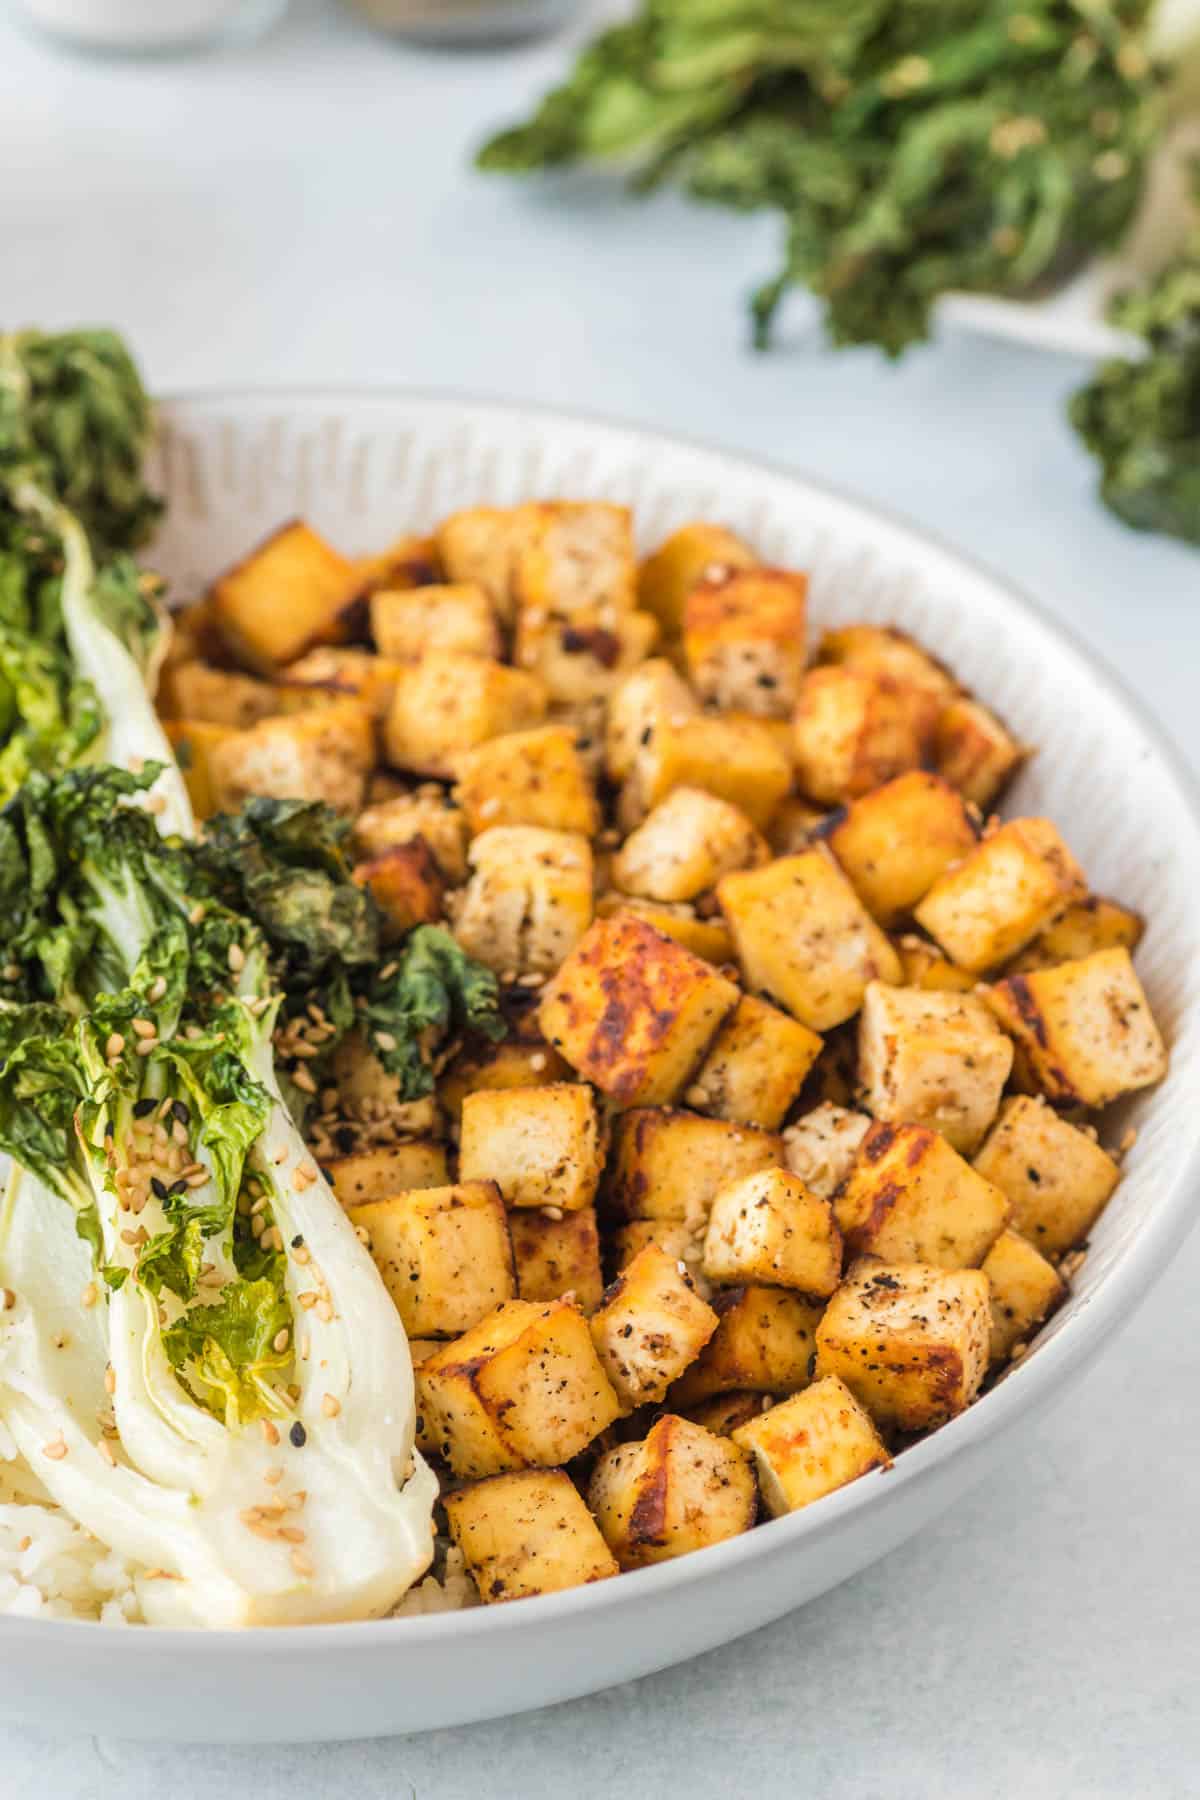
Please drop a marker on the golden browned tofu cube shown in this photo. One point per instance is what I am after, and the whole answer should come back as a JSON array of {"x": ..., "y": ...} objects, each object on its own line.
[
  {"x": 407, "y": 625},
  {"x": 1092, "y": 924},
  {"x": 1001, "y": 894},
  {"x": 744, "y": 636},
  {"x": 194, "y": 742},
  {"x": 528, "y": 778},
  {"x": 671, "y": 1165},
  {"x": 821, "y": 1147},
  {"x": 292, "y": 592},
  {"x": 756, "y": 1066},
  {"x": 676, "y": 919},
  {"x": 196, "y": 691},
  {"x": 911, "y": 1198},
  {"x": 1085, "y": 1028},
  {"x": 428, "y": 815},
  {"x": 769, "y": 1229},
  {"x": 677, "y": 1238},
  {"x": 323, "y": 755},
  {"x": 448, "y": 703},
  {"x": 512, "y": 1063},
  {"x": 810, "y": 1445},
  {"x": 649, "y": 1327},
  {"x": 932, "y": 1059},
  {"x": 582, "y": 658},
  {"x": 193, "y": 635},
  {"x": 407, "y": 562},
  {"x": 1057, "y": 1179},
  {"x": 804, "y": 938},
  {"x": 764, "y": 1340},
  {"x": 529, "y": 900},
  {"x": 882, "y": 650},
  {"x": 736, "y": 759},
  {"x": 575, "y": 557},
  {"x": 894, "y": 843},
  {"x": 406, "y": 884},
  {"x": 379, "y": 1174},
  {"x": 853, "y": 731},
  {"x": 910, "y": 1341},
  {"x": 633, "y": 1012},
  {"x": 541, "y": 1145},
  {"x": 651, "y": 696},
  {"x": 522, "y": 1389},
  {"x": 527, "y": 1533},
  {"x": 695, "y": 553},
  {"x": 924, "y": 966},
  {"x": 443, "y": 1252},
  {"x": 725, "y": 1412},
  {"x": 685, "y": 846},
  {"x": 1025, "y": 1291},
  {"x": 975, "y": 752},
  {"x": 328, "y": 674},
  {"x": 679, "y": 1489},
  {"x": 557, "y": 1257},
  {"x": 477, "y": 545}
]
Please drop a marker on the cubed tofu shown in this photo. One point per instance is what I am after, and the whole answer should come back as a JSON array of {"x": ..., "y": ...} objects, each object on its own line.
[
  {"x": 294, "y": 591},
  {"x": 764, "y": 1341},
  {"x": 685, "y": 846},
  {"x": 695, "y": 553},
  {"x": 672, "y": 1165},
  {"x": 582, "y": 658},
  {"x": 932, "y": 1059},
  {"x": 195, "y": 691},
  {"x": 528, "y": 778},
  {"x": 194, "y": 635},
  {"x": 795, "y": 824},
  {"x": 882, "y": 650},
  {"x": 407, "y": 885},
  {"x": 811, "y": 1445},
  {"x": 407, "y": 562},
  {"x": 1002, "y": 894},
  {"x": 680, "y": 1489},
  {"x": 975, "y": 752},
  {"x": 1057, "y": 1179},
  {"x": 822, "y": 1146},
  {"x": 725, "y": 1412},
  {"x": 366, "y": 1092},
  {"x": 924, "y": 966},
  {"x": 652, "y": 696},
  {"x": 324, "y": 755},
  {"x": 477, "y": 545},
  {"x": 522, "y": 1389},
  {"x": 633, "y": 1012},
  {"x": 448, "y": 703},
  {"x": 894, "y": 843},
  {"x": 367, "y": 1175},
  {"x": 756, "y": 1066},
  {"x": 329, "y": 673},
  {"x": 744, "y": 639},
  {"x": 910, "y": 1341},
  {"x": 650, "y": 1325},
  {"x": 854, "y": 731},
  {"x": 443, "y": 1252},
  {"x": 1093, "y": 924},
  {"x": 678, "y": 1238},
  {"x": 707, "y": 938},
  {"x": 736, "y": 759},
  {"x": 428, "y": 815},
  {"x": 804, "y": 939},
  {"x": 911, "y": 1198},
  {"x": 541, "y": 1145},
  {"x": 575, "y": 557},
  {"x": 456, "y": 616},
  {"x": 1084, "y": 1029},
  {"x": 1025, "y": 1291},
  {"x": 512, "y": 1063},
  {"x": 527, "y": 1533},
  {"x": 771, "y": 1230},
  {"x": 557, "y": 1257},
  {"x": 529, "y": 899},
  {"x": 194, "y": 742}
]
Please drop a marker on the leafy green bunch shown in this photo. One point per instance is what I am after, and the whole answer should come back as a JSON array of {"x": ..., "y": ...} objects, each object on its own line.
[{"x": 910, "y": 148}]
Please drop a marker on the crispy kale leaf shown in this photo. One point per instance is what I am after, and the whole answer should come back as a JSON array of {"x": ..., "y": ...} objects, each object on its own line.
[{"x": 435, "y": 991}]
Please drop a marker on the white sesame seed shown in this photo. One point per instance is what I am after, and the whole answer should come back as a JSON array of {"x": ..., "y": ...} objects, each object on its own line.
[
  {"x": 324, "y": 1310},
  {"x": 90, "y": 1295},
  {"x": 56, "y": 1449},
  {"x": 115, "y": 1044},
  {"x": 269, "y": 1432},
  {"x": 237, "y": 958},
  {"x": 280, "y": 1341},
  {"x": 553, "y": 1213},
  {"x": 301, "y": 1563},
  {"x": 146, "y": 1045},
  {"x": 145, "y": 1028},
  {"x": 273, "y": 1475},
  {"x": 110, "y": 1380},
  {"x": 331, "y": 1406}
]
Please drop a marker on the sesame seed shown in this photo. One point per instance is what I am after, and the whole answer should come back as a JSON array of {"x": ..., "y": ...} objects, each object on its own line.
[
  {"x": 324, "y": 1310},
  {"x": 269, "y": 1432},
  {"x": 115, "y": 1044},
  {"x": 295, "y": 1501},
  {"x": 106, "y": 1451},
  {"x": 292, "y": 1534},
  {"x": 146, "y": 1028},
  {"x": 273, "y": 1475},
  {"x": 331, "y": 1406},
  {"x": 537, "y": 1061},
  {"x": 56, "y": 1449},
  {"x": 307, "y": 1299},
  {"x": 388, "y": 970},
  {"x": 146, "y": 1046},
  {"x": 157, "y": 988},
  {"x": 24, "y": 1543},
  {"x": 385, "y": 1040},
  {"x": 280, "y": 1341},
  {"x": 110, "y": 1380},
  {"x": 155, "y": 803},
  {"x": 197, "y": 1178},
  {"x": 301, "y": 1254},
  {"x": 258, "y": 1226},
  {"x": 304, "y": 1081},
  {"x": 261, "y": 1204},
  {"x": 301, "y": 1563},
  {"x": 90, "y": 1295},
  {"x": 7, "y": 1299},
  {"x": 12, "y": 972},
  {"x": 272, "y": 1238},
  {"x": 298, "y": 1436},
  {"x": 237, "y": 958}
]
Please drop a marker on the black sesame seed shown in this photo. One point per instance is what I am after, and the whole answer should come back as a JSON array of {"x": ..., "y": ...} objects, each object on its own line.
[
  {"x": 182, "y": 1111},
  {"x": 144, "y": 1106},
  {"x": 298, "y": 1435},
  {"x": 158, "y": 1188},
  {"x": 178, "y": 1187},
  {"x": 297, "y": 1240}
]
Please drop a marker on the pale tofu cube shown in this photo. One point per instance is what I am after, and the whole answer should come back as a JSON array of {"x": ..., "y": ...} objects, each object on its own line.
[
  {"x": 512, "y": 1063},
  {"x": 575, "y": 556},
  {"x": 557, "y": 1257},
  {"x": 695, "y": 553},
  {"x": 811, "y": 1445},
  {"x": 853, "y": 731},
  {"x": 477, "y": 545},
  {"x": 378, "y": 1174},
  {"x": 528, "y": 778},
  {"x": 201, "y": 694},
  {"x": 894, "y": 843},
  {"x": 685, "y": 846},
  {"x": 529, "y": 899},
  {"x": 932, "y": 1059},
  {"x": 448, "y": 703},
  {"x": 525, "y": 1534},
  {"x": 649, "y": 1327},
  {"x": 652, "y": 696},
  {"x": 975, "y": 752},
  {"x": 756, "y": 1066},
  {"x": 883, "y": 650},
  {"x": 633, "y": 1012},
  {"x": 911, "y": 1198},
  {"x": 679, "y": 1239},
  {"x": 1084, "y": 1029},
  {"x": 327, "y": 674},
  {"x": 1093, "y": 924},
  {"x": 407, "y": 624},
  {"x": 443, "y": 1253},
  {"x": 680, "y": 1489},
  {"x": 584, "y": 656},
  {"x": 804, "y": 938},
  {"x": 911, "y": 1342},
  {"x": 427, "y": 814},
  {"x": 744, "y": 639},
  {"x": 322, "y": 755},
  {"x": 293, "y": 591},
  {"x": 1001, "y": 894},
  {"x": 1057, "y": 1179},
  {"x": 541, "y": 1145},
  {"x": 737, "y": 759},
  {"x": 821, "y": 1147},
  {"x": 769, "y": 1229},
  {"x": 671, "y": 1165},
  {"x": 764, "y": 1341},
  {"x": 1025, "y": 1291}
]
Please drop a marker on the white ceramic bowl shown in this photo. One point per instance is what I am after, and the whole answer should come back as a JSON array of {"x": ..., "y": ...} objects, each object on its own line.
[{"x": 364, "y": 468}]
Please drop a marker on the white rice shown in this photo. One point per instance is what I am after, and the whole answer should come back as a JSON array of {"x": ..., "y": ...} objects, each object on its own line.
[{"x": 51, "y": 1568}]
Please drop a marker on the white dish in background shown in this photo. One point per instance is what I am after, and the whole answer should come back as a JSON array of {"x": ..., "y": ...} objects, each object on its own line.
[{"x": 363, "y": 468}]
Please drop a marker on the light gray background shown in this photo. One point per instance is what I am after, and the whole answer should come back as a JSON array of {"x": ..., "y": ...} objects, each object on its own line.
[{"x": 304, "y": 212}]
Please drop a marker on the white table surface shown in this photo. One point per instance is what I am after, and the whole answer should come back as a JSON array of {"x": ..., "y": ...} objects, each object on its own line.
[{"x": 305, "y": 212}]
